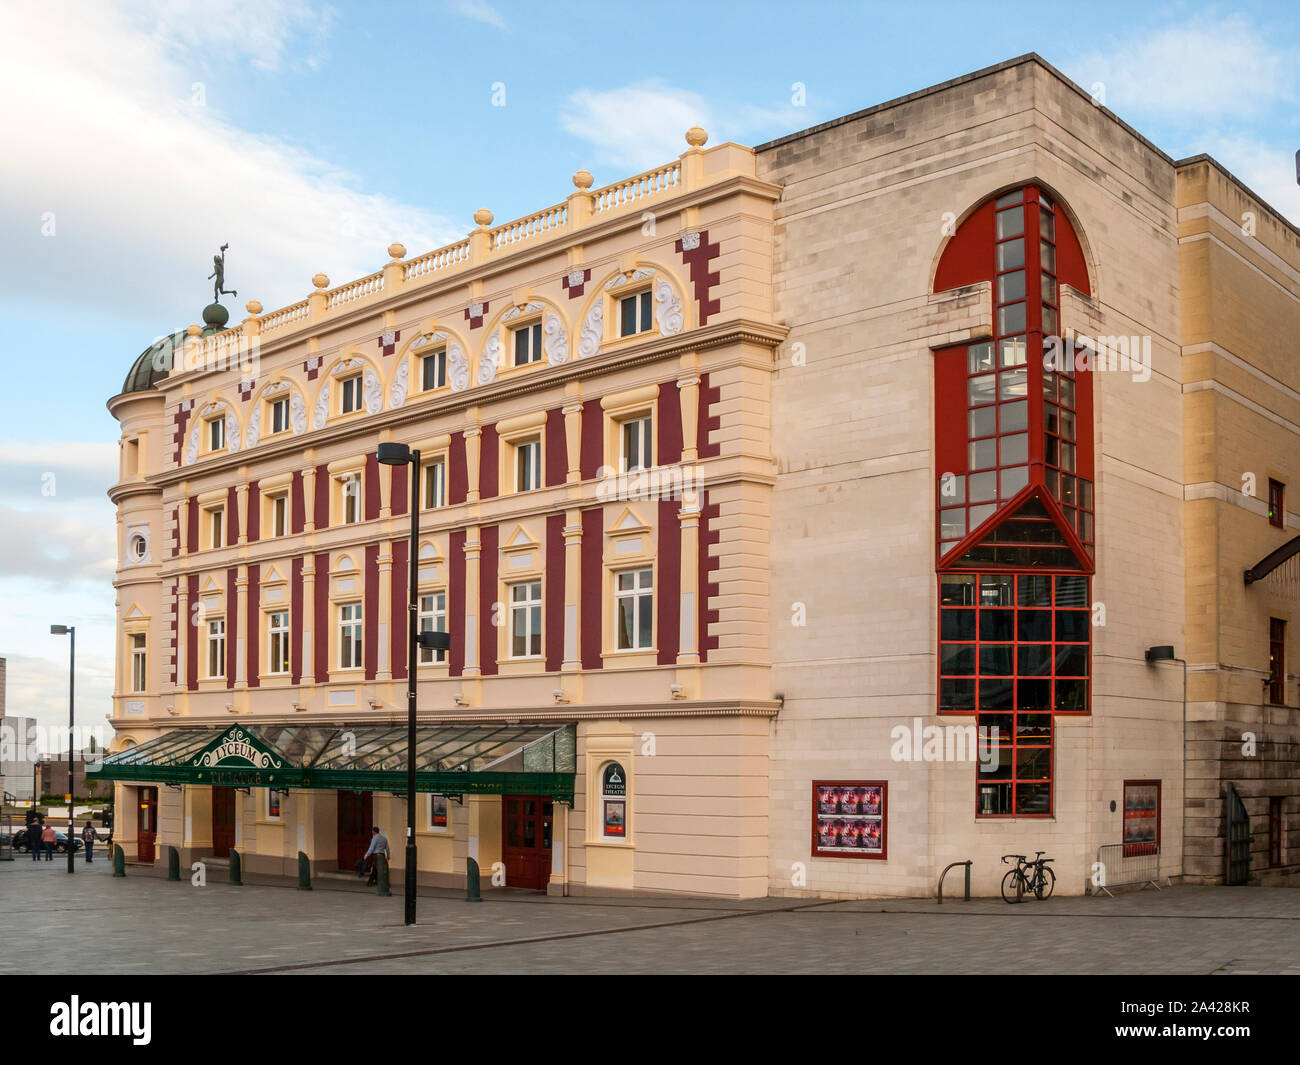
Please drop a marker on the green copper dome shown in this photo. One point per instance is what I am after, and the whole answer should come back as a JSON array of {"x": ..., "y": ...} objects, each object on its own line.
[{"x": 155, "y": 362}]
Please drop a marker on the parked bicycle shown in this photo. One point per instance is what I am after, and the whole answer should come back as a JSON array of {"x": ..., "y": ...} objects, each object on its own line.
[{"x": 1028, "y": 876}]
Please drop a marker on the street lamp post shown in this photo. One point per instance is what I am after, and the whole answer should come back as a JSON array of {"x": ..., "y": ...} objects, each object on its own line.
[
  {"x": 71, "y": 632},
  {"x": 401, "y": 455}
]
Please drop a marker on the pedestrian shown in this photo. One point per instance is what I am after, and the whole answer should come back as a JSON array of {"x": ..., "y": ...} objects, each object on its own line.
[
  {"x": 378, "y": 846},
  {"x": 88, "y": 838},
  {"x": 48, "y": 837},
  {"x": 34, "y": 844}
]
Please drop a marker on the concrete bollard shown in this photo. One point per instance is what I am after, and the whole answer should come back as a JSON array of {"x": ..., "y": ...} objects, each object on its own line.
[
  {"x": 236, "y": 868},
  {"x": 173, "y": 864},
  {"x": 119, "y": 860},
  {"x": 472, "y": 893},
  {"x": 381, "y": 867},
  {"x": 304, "y": 872}
]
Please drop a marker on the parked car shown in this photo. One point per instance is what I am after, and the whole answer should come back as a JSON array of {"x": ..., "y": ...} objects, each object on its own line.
[{"x": 60, "y": 842}]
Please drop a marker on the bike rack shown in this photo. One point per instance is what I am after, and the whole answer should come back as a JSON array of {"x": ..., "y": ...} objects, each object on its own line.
[{"x": 954, "y": 865}]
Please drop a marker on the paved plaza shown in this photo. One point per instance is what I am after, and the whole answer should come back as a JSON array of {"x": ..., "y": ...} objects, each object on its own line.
[{"x": 93, "y": 923}]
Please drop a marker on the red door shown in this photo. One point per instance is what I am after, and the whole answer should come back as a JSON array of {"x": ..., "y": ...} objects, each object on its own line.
[
  {"x": 223, "y": 821},
  {"x": 355, "y": 821},
  {"x": 146, "y": 833},
  {"x": 526, "y": 840}
]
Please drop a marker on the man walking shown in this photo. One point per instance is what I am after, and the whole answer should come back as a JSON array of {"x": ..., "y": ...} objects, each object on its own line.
[
  {"x": 88, "y": 838},
  {"x": 378, "y": 846}
]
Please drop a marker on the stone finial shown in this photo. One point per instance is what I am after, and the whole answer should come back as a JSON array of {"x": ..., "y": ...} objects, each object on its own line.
[
  {"x": 583, "y": 179},
  {"x": 320, "y": 281},
  {"x": 253, "y": 307},
  {"x": 397, "y": 251},
  {"x": 696, "y": 137},
  {"x": 483, "y": 217},
  {"x": 194, "y": 329}
]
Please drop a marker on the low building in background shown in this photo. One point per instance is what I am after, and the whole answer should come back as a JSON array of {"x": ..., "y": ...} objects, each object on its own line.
[{"x": 767, "y": 538}]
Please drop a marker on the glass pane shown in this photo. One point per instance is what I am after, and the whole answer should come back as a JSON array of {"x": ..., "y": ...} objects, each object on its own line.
[
  {"x": 1011, "y": 351},
  {"x": 1072, "y": 591},
  {"x": 1047, "y": 225},
  {"x": 1013, "y": 384},
  {"x": 1048, "y": 252},
  {"x": 979, "y": 515},
  {"x": 1051, "y": 418},
  {"x": 984, "y": 454},
  {"x": 1011, "y": 254},
  {"x": 997, "y": 590},
  {"x": 998, "y": 625},
  {"x": 1013, "y": 417},
  {"x": 1085, "y": 494},
  {"x": 1072, "y": 660},
  {"x": 997, "y": 694},
  {"x": 1034, "y": 626},
  {"x": 1071, "y": 696},
  {"x": 1072, "y": 626},
  {"x": 1011, "y": 286},
  {"x": 957, "y": 590},
  {"x": 957, "y": 625},
  {"x": 644, "y": 613},
  {"x": 1014, "y": 196},
  {"x": 1033, "y": 798},
  {"x": 624, "y": 624},
  {"x": 1067, "y": 392},
  {"x": 1049, "y": 288},
  {"x": 1035, "y": 590},
  {"x": 957, "y": 658},
  {"x": 952, "y": 523},
  {"x": 1034, "y": 763},
  {"x": 995, "y": 660},
  {"x": 1015, "y": 449},
  {"x": 956, "y": 694},
  {"x": 979, "y": 357},
  {"x": 1085, "y": 527},
  {"x": 1011, "y": 319},
  {"x": 1067, "y": 489},
  {"x": 981, "y": 389},
  {"x": 1067, "y": 424},
  {"x": 625, "y": 581},
  {"x": 952, "y": 489},
  {"x": 981, "y": 422},
  {"x": 1034, "y": 659},
  {"x": 1049, "y": 320},
  {"x": 1049, "y": 384},
  {"x": 983, "y": 487},
  {"x": 1011, "y": 222},
  {"x": 1013, "y": 480},
  {"x": 1034, "y": 695},
  {"x": 1067, "y": 457}
]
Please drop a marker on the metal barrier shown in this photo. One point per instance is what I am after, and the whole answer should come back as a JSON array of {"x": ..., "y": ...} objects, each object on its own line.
[
  {"x": 966, "y": 863},
  {"x": 1140, "y": 865},
  {"x": 7, "y": 838}
]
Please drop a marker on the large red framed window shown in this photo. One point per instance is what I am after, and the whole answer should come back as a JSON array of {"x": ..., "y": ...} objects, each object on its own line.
[{"x": 1015, "y": 508}]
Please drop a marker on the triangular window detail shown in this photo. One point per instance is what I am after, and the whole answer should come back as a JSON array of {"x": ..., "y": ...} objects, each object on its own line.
[{"x": 1028, "y": 537}]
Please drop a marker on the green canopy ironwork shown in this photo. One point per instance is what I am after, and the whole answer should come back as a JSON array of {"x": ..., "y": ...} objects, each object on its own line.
[{"x": 482, "y": 759}]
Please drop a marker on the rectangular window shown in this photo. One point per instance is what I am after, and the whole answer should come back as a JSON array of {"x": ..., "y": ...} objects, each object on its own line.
[
  {"x": 349, "y": 488},
  {"x": 433, "y": 370},
  {"x": 139, "y": 662},
  {"x": 435, "y": 485},
  {"x": 634, "y": 609},
  {"x": 1276, "y": 503},
  {"x": 216, "y": 648},
  {"x": 217, "y": 434},
  {"x": 433, "y": 618},
  {"x": 1141, "y": 817},
  {"x": 280, "y": 415},
  {"x": 526, "y": 620},
  {"x": 350, "y": 636},
  {"x": 279, "y": 514},
  {"x": 217, "y": 527},
  {"x": 634, "y": 314},
  {"x": 277, "y": 629},
  {"x": 1277, "y": 661},
  {"x": 636, "y": 439},
  {"x": 528, "y": 465},
  {"x": 350, "y": 394},
  {"x": 528, "y": 344}
]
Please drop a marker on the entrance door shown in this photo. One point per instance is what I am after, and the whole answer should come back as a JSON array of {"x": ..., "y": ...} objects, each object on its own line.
[
  {"x": 223, "y": 821},
  {"x": 526, "y": 840},
  {"x": 146, "y": 831},
  {"x": 355, "y": 821}
]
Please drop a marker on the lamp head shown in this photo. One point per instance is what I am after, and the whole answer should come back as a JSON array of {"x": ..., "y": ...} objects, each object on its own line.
[
  {"x": 59, "y": 630},
  {"x": 435, "y": 641},
  {"x": 394, "y": 454},
  {"x": 1162, "y": 653}
]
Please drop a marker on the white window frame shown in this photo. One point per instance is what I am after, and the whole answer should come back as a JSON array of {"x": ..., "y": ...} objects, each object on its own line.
[
  {"x": 532, "y": 335},
  {"x": 642, "y": 588},
  {"x": 279, "y": 509},
  {"x": 433, "y": 493},
  {"x": 352, "y": 647},
  {"x": 533, "y": 467},
  {"x": 216, "y": 648},
  {"x": 350, "y": 488},
  {"x": 433, "y": 618},
  {"x": 644, "y": 309},
  {"x": 277, "y": 633},
  {"x": 438, "y": 360},
  {"x": 139, "y": 662},
  {"x": 531, "y": 610},
  {"x": 350, "y": 392},
  {"x": 216, "y": 527},
  {"x": 278, "y": 414},
  {"x": 217, "y": 434},
  {"x": 643, "y": 426}
]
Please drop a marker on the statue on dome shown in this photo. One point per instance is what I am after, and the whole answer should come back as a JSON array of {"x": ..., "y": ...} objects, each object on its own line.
[{"x": 219, "y": 272}]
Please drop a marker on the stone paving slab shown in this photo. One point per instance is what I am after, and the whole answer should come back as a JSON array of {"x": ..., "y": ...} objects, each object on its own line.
[{"x": 93, "y": 923}]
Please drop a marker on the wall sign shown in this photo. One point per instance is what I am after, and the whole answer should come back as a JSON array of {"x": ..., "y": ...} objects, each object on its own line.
[
  {"x": 849, "y": 818},
  {"x": 437, "y": 811},
  {"x": 1141, "y": 817},
  {"x": 613, "y": 782},
  {"x": 615, "y": 817}
]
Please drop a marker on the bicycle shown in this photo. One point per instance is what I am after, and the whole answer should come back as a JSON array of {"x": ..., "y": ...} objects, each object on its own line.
[{"x": 1042, "y": 883}]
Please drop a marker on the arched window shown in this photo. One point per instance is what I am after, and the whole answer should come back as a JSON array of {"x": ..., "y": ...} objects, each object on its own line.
[
  {"x": 1014, "y": 503},
  {"x": 613, "y": 802}
]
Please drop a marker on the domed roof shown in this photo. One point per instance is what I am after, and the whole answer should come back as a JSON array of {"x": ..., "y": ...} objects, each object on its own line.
[{"x": 154, "y": 363}]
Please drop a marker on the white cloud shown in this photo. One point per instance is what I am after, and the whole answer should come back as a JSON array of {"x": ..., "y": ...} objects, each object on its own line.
[
  {"x": 143, "y": 183},
  {"x": 1269, "y": 172},
  {"x": 478, "y": 11},
  {"x": 38, "y": 687},
  {"x": 1204, "y": 68},
  {"x": 261, "y": 32},
  {"x": 642, "y": 125}
]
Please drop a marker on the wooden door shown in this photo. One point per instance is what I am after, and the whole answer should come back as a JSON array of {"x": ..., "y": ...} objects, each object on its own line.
[
  {"x": 146, "y": 833},
  {"x": 223, "y": 821},
  {"x": 526, "y": 822},
  {"x": 355, "y": 822}
]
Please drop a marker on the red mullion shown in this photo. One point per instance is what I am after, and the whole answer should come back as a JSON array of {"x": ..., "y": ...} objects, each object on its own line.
[{"x": 1034, "y": 340}]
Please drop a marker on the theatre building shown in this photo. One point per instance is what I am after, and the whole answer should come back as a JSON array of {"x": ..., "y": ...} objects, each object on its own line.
[{"x": 911, "y": 488}]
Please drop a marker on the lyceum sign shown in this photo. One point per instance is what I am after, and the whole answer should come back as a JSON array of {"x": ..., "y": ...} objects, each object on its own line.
[{"x": 237, "y": 758}]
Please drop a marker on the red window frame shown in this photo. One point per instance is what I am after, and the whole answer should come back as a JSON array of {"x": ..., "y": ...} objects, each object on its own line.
[
  {"x": 1136, "y": 818},
  {"x": 1277, "y": 661},
  {"x": 1276, "y": 504}
]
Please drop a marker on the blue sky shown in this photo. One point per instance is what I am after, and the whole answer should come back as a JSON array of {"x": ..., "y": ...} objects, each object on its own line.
[{"x": 139, "y": 135}]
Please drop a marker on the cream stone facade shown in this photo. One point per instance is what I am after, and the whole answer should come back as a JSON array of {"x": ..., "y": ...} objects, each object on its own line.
[{"x": 782, "y": 316}]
